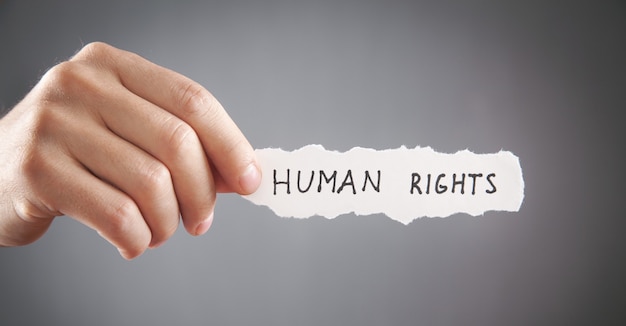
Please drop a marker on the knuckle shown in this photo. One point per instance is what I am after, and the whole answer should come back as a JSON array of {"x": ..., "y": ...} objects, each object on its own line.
[
  {"x": 59, "y": 79},
  {"x": 46, "y": 135},
  {"x": 94, "y": 51},
  {"x": 32, "y": 165},
  {"x": 68, "y": 81},
  {"x": 195, "y": 101},
  {"x": 156, "y": 178},
  {"x": 121, "y": 218},
  {"x": 31, "y": 171},
  {"x": 35, "y": 170},
  {"x": 178, "y": 138},
  {"x": 125, "y": 228}
]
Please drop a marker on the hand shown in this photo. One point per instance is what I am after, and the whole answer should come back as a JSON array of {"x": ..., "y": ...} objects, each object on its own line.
[{"x": 122, "y": 145}]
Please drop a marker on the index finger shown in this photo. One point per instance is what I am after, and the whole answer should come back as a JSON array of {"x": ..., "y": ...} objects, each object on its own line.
[{"x": 224, "y": 143}]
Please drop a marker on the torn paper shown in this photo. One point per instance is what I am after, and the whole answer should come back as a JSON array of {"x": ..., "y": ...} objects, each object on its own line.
[{"x": 402, "y": 183}]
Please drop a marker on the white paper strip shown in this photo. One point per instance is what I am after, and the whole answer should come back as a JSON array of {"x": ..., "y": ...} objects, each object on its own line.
[{"x": 402, "y": 183}]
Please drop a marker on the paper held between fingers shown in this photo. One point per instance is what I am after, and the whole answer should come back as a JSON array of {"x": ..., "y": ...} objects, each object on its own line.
[{"x": 401, "y": 183}]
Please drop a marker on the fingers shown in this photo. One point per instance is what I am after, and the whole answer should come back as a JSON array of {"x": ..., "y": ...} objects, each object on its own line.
[
  {"x": 110, "y": 212},
  {"x": 175, "y": 144},
  {"x": 65, "y": 184},
  {"x": 103, "y": 181},
  {"x": 222, "y": 140},
  {"x": 157, "y": 132},
  {"x": 126, "y": 146},
  {"x": 144, "y": 179}
]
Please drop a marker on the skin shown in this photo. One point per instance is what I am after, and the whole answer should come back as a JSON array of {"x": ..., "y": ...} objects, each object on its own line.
[{"x": 122, "y": 145}]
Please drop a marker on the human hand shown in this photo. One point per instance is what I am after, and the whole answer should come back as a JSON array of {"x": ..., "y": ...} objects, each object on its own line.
[{"x": 122, "y": 145}]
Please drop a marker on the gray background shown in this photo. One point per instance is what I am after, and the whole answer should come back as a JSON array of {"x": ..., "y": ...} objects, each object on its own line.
[{"x": 546, "y": 80}]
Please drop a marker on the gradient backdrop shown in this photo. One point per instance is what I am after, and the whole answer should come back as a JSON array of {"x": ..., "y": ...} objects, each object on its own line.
[{"x": 543, "y": 79}]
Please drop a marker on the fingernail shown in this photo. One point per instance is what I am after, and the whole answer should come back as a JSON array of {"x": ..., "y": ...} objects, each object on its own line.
[
  {"x": 250, "y": 179},
  {"x": 205, "y": 225},
  {"x": 125, "y": 254}
]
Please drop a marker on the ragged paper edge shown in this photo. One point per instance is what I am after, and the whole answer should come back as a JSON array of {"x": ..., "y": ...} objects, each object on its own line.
[{"x": 403, "y": 211}]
